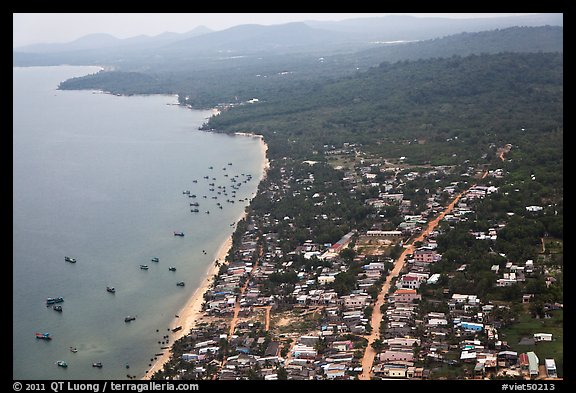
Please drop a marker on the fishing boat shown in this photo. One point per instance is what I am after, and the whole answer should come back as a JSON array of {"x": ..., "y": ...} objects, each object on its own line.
[
  {"x": 144, "y": 267},
  {"x": 129, "y": 319},
  {"x": 62, "y": 363},
  {"x": 57, "y": 307},
  {"x": 172, "y": 268},
  {"x": 97, "y": 364},
  {"x": 69, "y": 259},
  {"x": 180, "y": 283},
  {"x": 179, "y": 234},
  {"x": 155, "y": 259},
  {"x": 43, "y": 336},
  {"x": 52, "y": 300},
  {"x": 111, "y": 289}
]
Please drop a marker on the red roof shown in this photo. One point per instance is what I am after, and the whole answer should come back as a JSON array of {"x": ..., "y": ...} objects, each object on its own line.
[{"x": 523, "y": 359}]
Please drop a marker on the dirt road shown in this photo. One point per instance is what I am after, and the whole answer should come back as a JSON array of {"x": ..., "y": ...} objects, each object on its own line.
[{"x": 370, "y": 353}]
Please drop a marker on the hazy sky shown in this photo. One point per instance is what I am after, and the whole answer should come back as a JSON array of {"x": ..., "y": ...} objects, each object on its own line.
[{"x": 31, "y": 28}]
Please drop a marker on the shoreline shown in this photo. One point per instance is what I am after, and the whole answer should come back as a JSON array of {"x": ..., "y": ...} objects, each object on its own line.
[{"x": 191, "y": 313}]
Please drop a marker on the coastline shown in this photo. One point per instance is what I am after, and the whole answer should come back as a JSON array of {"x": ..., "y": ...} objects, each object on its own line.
[{"x": 191, "y": 313}]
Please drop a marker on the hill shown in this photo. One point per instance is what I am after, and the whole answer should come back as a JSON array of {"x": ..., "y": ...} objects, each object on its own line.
[
  {"x": 440, "y": 110},
  {"x": 206, "y": 82}
]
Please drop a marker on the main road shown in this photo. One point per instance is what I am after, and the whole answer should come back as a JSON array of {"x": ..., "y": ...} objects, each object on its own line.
[{"x": 370, "y": 353}]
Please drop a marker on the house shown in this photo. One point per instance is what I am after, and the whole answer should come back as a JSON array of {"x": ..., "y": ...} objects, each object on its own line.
[
  {"x": 526, "y": 297},
  {"x": 390, "y": 370},
  {"x": 433, "y": 279},
  {"x": 342, "y": 345},
  {"x": 391, "y": 356},
  {"x": 304, "y": 352},
  {"x": 412, "y": 280},
  {"x": 532, "y": 364},
  {"x": 402, "y": 342},
  {"x": 355, "y": 301},
  {"x": 405, "y": 296},
  {"x": 542, "y": 337},
  {"x": 550, "y": 368},
  {"x": 471, "y": 326},
  {"x": 426, "y": 256}
]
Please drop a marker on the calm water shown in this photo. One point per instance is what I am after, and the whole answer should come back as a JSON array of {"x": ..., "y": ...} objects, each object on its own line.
[{"x": 101, "y": 178}]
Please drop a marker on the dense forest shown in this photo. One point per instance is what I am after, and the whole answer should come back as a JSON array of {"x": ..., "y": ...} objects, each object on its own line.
[
  {"x": 443, "y": 110},
  {"x": 206, "y": 80}
]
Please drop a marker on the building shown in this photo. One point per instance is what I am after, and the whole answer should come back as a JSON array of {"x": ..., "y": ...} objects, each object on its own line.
[
  {"x": 542, "y": 337},
  {"x": 355, "y": 301},
  {"x": 426, "y": 256},
  {"x": 533, "y": 362},
  {"x": 405, "y": 296},
  {"x": 550, "y": 368}
]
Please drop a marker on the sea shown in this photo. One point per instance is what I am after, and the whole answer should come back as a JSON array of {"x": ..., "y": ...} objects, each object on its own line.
[{"x": 103, "y": 179}]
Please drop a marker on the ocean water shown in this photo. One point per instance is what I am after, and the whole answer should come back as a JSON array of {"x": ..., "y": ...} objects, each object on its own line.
[{"x": 100, "y": 178}]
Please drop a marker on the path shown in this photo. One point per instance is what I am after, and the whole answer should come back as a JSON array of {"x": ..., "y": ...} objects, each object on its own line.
[{"x": 370, "y": 353}]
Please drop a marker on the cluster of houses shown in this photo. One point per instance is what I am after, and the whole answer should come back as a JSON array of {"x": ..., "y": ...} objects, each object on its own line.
[{"x": 414, "y": 342}]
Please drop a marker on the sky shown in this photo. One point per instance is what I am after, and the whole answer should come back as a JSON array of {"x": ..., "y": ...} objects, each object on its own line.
[{"x": 30, "y": 28}]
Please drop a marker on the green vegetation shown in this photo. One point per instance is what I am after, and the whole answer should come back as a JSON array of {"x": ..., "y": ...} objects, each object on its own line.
[
  {"x": 527, "y": 326},
  {"x": 441, "y": 111}
]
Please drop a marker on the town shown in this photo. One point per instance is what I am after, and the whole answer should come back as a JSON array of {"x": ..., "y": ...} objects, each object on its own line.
[{"x": 357, "y": 267}]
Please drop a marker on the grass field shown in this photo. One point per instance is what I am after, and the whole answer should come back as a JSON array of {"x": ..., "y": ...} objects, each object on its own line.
[{"x": 527, "y": 326}]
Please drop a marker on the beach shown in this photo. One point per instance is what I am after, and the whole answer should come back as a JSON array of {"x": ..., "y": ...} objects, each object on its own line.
[{"x": 192, "y": 313}]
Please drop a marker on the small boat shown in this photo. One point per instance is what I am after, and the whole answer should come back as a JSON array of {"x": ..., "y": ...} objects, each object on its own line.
[
  {"x": 194, "y": 210},
  {"x": 57, "y": 307},
  {"x": 211, "y": 167},
  {"x": 155, "y": 259},
  {"x": 192, "y": 196},
  {"x": 177, "y": 328},
  {"x": 73, "y": 349},
  {"x": 172, "y": 268},
  {"x": 194, "y": 181},
  {"x": 144, "y": 267},
  {"x": 186, "y": 192},
  {"x": 229, "y": 163},
  {"x": 207, "y": 211},
  {"x": 180, "y": 283},
  {"x": 69, "y": 259},
  {"x": 129, "y": 319},
  {"x": 195, "y": 204},
  {"x": 97, "y": 364},
  {"x": 62, "y": 363},
  {"x": 178, "y": 233},
  {"x": 111, "y": 289},
  {"x": 43, "y": 336},
  {"x": 52, "y": 300}
]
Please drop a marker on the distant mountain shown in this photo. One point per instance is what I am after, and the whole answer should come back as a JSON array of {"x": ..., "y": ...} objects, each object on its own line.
[
  {"x": 258, "y": 38},
  {"x": 409, "y": 28},
  {"x": 169, "y": 50},
  {"x": 107, "y": 41}
]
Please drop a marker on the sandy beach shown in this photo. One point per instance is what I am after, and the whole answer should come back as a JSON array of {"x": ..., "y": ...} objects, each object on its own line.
[{"x": 191, "y": 313}]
